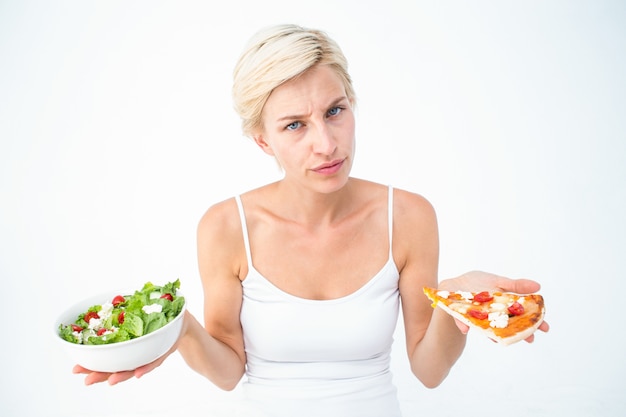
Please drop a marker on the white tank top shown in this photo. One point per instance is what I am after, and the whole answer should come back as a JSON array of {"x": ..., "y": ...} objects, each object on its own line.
[{"x": 320, "y": 357}]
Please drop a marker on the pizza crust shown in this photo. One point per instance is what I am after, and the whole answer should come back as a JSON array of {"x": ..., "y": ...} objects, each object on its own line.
[{"x": 489, "y": 332}]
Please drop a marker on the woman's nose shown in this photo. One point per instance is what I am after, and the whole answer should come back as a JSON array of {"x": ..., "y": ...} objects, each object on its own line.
[{"x": 323, "y": 140}]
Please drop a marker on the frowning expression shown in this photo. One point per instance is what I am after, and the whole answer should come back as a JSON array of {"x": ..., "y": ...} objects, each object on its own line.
[{"x": 308, "y": 126}]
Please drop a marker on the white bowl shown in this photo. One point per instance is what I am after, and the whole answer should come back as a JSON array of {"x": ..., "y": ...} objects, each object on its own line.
[{"x": 119, "y": 356}]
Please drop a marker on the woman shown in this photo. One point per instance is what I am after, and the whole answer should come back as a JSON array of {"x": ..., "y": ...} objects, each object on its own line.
[{"x": 303, "y": 277}]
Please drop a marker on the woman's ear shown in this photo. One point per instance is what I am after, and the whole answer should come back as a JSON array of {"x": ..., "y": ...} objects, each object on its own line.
[{"x": 262, "y": 143}]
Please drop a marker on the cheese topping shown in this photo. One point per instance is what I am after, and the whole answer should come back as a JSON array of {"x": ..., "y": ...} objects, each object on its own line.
[
  {"x": 105, "y": 311},
  {"x": 503, "y": 299},
  {"x": 95, "y": 323},
  {"x": 152, "y": 308},
  {"x": 466, "y": 295},
  {"x": 443, "y": 294},
  {"x": 498, "y": 319},
  {"x": 79, "y": 336},
  {"x": 459, "y": 307},
  {"x": 498, "y": 307}
]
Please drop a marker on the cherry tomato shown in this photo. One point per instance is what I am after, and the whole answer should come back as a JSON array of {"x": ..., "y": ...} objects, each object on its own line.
[
  {"x": 516, "y": 309},
  {"x": 117, "y": 300},
  {"x": 91, "y": 315},
  {"x": 478, "y": 314},
  {"x": 483, "y": 297},
  {"x": 167, "y": 296},
  {"x": 77, "y": 328},
  {"x": 101, "y": 331},
  {"x": 120, "y": 317}
]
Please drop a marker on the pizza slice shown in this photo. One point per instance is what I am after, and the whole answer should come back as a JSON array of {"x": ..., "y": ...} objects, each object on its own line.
[{"x": 503, "y": 317}]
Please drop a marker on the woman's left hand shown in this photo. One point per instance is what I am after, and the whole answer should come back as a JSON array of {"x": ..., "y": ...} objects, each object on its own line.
[{"x": 477, "y": 281}]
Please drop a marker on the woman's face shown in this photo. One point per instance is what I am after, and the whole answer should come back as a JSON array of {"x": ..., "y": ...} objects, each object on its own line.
[{"x": 309, "y": 128}]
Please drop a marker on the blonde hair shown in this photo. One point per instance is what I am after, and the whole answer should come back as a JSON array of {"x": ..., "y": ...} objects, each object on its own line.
[{"x": 278, "y": 54}]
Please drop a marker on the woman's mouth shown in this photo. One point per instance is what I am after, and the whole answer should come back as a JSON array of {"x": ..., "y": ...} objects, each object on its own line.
[{"x": 330, "y": 167}]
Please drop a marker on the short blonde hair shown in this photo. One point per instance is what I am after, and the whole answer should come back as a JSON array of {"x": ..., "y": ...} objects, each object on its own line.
[{"x": 278, "y": 54}]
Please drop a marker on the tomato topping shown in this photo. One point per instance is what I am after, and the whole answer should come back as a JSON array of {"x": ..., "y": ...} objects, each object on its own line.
[
  {"x": 91, "y": 315},
  {"x": 478, "y": 314},
  {"x": 117, "y": 300},
  {"x": 483, "y": 297},
  {"x": 101, "y": 331},
  {"x": 120, "y": 317},
  {"x": 516, "y": 309},
  {"x": 77, "y": 328},
  {"x": 167, "y": 296}
]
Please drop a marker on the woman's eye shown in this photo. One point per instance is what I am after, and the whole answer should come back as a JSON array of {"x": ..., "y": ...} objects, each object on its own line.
[
  {"x": 334, "y": 111},
  {"x": 293, "y": 126}
]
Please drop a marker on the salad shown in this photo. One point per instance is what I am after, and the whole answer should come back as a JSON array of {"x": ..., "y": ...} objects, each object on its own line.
[{"x": 126, "y": 316}]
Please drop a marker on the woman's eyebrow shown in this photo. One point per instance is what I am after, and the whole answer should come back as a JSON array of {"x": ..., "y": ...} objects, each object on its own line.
[{"x": 300, "y": 116}]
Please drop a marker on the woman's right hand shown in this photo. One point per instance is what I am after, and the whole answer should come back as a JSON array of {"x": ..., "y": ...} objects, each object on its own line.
[{"x": 94, "y": 377}]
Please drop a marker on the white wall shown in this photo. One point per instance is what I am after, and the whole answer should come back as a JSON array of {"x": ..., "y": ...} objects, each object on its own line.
[{"x": 117, "y": 132}]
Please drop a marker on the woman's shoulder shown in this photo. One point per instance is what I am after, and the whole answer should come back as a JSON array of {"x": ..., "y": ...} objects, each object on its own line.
[
  {"x": 415, "y": 229},
  {"x": 409, "y": 201},
  {"x": 220, "y": 211},
  {"x": 412, "y": 212},
  {"x": 403, "y": 200},
  {"x": 220, "y": 222},
  {"x": 225, "y": 216}
]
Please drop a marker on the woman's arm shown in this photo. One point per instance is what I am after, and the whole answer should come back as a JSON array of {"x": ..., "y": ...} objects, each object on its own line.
[
  {"x": 215, "y": 350},
  {"x": 433, "y": 341}
]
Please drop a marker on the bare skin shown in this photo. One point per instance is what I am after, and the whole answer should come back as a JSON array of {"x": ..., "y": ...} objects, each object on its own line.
[{"x": 324, "y": 227}]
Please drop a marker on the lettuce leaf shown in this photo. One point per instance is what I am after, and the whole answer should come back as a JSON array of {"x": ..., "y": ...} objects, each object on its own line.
[{"x": 136, "y": 321}]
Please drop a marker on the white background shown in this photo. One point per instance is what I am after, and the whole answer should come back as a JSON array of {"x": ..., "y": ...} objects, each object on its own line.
[{"x": 117, "y": 132}]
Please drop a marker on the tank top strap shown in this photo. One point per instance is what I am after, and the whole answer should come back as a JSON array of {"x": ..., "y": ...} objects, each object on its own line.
[
  {"x": 390, "y": 219},
  {"x": 244, "y": 228}
]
